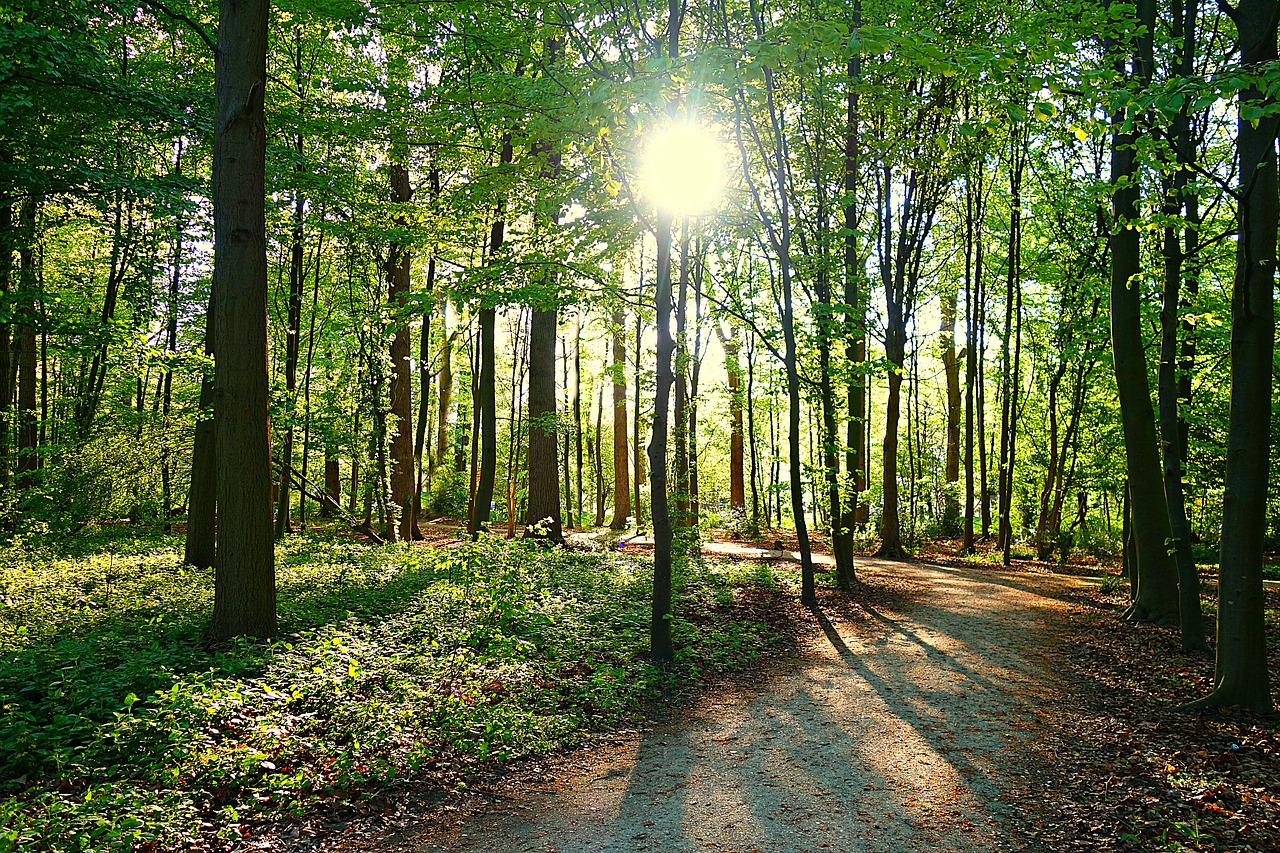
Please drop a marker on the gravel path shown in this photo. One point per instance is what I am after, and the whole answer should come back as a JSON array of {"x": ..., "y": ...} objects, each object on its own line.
[{"x": 899, "y": 730}]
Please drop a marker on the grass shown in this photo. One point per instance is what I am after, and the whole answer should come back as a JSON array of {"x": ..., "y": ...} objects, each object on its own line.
[{"x": 119, "y": 730}]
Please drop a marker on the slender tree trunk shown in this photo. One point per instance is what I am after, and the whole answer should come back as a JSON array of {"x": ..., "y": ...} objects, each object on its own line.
[
  {"x": 972, "y": 234},
  {"x": 621, "y": 464},
  {"x": 488, "y": 403},
  {"x": 27, "y": 418},
  {"x": 568, "y": 487},
  {"x": 660, "y": 625},
  {"x": 951, "y": 367},
  {"x": 597, "y": 449},
  {"x": 855, "y": 320},
  {"x": 244, "y": 583},
  {"x": 401, "y": 411},
  {"x": 6, "y": 366},
  {"x": 637, "y": 448},
  {"x": 1167, "y": 387},
  {"x": 1157, "y": 589},
  {"x": 293, "y": 339},
  {"x": 446, "y": 386}
]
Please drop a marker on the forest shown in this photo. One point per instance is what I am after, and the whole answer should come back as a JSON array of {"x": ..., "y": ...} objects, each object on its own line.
[{"x": 403, "y": 404}]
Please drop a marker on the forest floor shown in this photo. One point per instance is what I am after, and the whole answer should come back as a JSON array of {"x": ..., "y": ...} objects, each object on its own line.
[{"x": 940, "y": 707}]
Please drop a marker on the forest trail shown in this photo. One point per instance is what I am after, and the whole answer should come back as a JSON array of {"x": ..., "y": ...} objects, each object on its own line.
[{"x": 897, "y": 730}]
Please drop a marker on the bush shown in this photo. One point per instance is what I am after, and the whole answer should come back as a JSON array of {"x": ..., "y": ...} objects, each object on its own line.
[{"x": 449, "y": 494}]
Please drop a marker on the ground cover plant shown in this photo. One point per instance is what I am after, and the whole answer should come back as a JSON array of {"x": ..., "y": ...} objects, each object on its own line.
[{"x": 121, "y": 729}]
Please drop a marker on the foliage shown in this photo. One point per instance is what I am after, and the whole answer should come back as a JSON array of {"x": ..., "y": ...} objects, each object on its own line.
[{"x": 120, "y": 728}]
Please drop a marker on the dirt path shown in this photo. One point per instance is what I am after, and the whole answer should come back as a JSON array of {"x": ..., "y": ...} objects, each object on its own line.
[{"x": 899, "y": 730}]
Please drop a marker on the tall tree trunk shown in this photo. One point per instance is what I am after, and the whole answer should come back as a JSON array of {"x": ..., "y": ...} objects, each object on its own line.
[
  {"x": 597, "y": 450},
  {"x": 293, "y": 340},
  {"x": 568, "y": 487},
  {"x": 576, "y": 402},
  {"x": 951, "y": 367},
  {"x": 855, "y": 320},
  {"x": 1157, "y": 591},
  {"x": 621, "y": 464},
  {"x": 27, "y": 418},
  {"x": 1241, "y": 676},
  {"x": 244, "y": 583},
  {"x": 660, "y": 625},
  {"x": 1167, "y": 386},
  {"x": 6, "y": 385},
  {"x": 446, "y": 385},
  {"x": 973, "y": 234},
  {"x": 401, "y": 411},
  {"x": 488, "y": 385},
  {"x": 202, "y": 520},
  {"x": 737, "y": 472},
  {"x": 636, "y": 445},
  {"x": 542, "y": 519},
  {"x": 751, "y": 432}
]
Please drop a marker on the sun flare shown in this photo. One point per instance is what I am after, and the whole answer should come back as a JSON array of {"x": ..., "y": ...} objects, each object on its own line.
[{"x": 683, "y": 172}]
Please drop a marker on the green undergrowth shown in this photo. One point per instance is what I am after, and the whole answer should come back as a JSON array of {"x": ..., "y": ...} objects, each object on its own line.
[{"x": 119, "y": 730}]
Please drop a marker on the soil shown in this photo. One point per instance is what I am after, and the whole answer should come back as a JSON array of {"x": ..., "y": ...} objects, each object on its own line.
[{"x": 915, "y": 719}]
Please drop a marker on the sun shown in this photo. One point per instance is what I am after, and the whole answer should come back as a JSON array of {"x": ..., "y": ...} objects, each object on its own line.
[{"x": 683, "y": 171}]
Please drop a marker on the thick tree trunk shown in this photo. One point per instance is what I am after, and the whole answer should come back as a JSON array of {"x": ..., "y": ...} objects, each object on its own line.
[
  {"x": 621, "y": 463},
  {"x": 1241, "y": 676},
  {"x": 542, "y": 519},
  {"x": 244, "y": 583}
]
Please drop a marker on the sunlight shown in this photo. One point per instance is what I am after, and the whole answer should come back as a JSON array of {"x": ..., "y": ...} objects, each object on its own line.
[{"x": 683, "y": 170}]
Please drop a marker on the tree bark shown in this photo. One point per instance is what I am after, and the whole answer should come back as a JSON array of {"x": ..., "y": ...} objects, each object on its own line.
[
  {"x": 1241, "y": 676},
  {"x": 1157, "y": 590},
  {"x": 27, "y": 418},
  {"x": 244, "y": 582},
  {"x": 488, "y": 403},
  {"x": 401, "y": 411},
  {"x": 621, "y": 463}
]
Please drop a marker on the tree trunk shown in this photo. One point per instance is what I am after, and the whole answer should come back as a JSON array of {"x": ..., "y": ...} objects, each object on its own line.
[
  {"x": 636, "y": 445},
  {"x": 542, "y": 520},
  {"x": 401, "y": 411},
  {"x": 244, "y": 583},
  {"x": 488, "y": 385},
  {"x": 6, "y": 386},
  {"x": 660, "y": 625},
  {"x": 1167, "y": 386},
  {"x": 621, "y": 464},
  {"x": 293, "y": 338},
  {"x": 1241, "y": 676},
  {"x": 1157, "y": 590},
  {"x": 576, "y": 403},
  {"x": 27, "y": 419},
  {"x": 951, "y": 367},
  {"x": 446, "y": 386}
]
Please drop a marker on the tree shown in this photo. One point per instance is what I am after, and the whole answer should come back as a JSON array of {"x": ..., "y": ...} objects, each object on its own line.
[
  {"x": 244, "y": 581},
  {"x": 1240, "y": 675}
]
